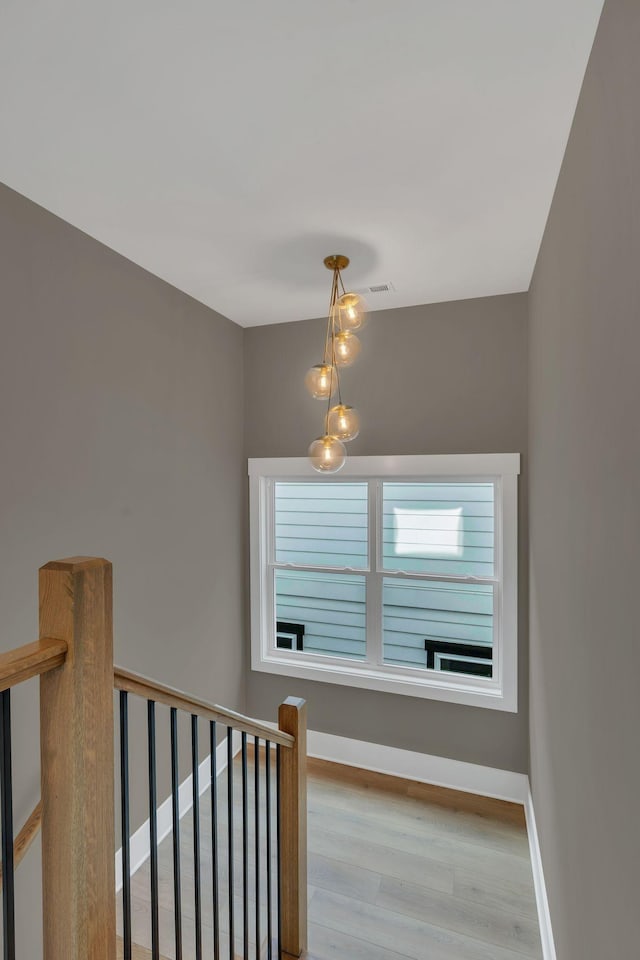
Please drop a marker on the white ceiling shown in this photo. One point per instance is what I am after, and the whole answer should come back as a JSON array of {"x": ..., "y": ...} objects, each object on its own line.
[{"x": 228, "y": 146}]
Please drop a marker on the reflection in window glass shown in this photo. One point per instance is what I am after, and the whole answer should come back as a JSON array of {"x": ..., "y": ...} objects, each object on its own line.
[{"x": 445, "y": 528}]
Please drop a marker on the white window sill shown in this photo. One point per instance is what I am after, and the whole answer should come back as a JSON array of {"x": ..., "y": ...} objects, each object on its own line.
[{"x": 460, "y": 691}]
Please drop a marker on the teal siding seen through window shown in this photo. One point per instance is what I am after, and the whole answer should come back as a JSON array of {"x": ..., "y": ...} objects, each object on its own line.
[
  {"x": 321, "y": 524},
  {"x": 330, "y": 607},
  {"x": 449, "y": 614},
  {"x": 434, "y": 577}
]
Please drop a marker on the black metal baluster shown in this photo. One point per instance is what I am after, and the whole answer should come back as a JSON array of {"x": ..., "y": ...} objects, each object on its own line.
[
  {"x": 267, "y": 789},
  {"x": 177, "y": 899},
  {"x": 256, "y": 780},
  {"x": 213, "y": 743},
  {"x": 230, "y": 829},
  {"x": 124, "y": 823},
  {"x": 245, "y": 849},
  {"x": 279, "y": 878},
  {"x": 6, "y": 804},
  {"x": 153, "y": 829},
  {"x": 196, "y": 835}
]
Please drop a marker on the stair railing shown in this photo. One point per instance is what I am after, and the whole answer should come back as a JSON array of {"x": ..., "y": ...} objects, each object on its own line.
[
  {"x": 74, "y": 660},
  {"x": 267, "y": 798}
]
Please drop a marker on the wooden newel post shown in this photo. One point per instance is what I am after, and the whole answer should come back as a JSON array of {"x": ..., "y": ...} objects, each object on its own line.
[
  {"x": 77, "y": 757},
  {"x": 292, "y": 718}
]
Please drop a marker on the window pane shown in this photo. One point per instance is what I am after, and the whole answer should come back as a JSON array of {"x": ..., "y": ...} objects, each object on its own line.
[
  {"x": 439, "y": 528},
  {"x": 322, "y": 524},
  {"x": 445, "y": 626},
  {"x": 321, "y": 613}
]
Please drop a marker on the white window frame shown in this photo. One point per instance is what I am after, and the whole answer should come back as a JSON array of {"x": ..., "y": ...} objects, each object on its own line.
[{"x": 500, "y": 692}]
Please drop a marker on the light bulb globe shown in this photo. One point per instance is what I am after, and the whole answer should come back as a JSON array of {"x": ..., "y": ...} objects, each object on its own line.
[
  {"x": 321, "y": 381},
  {"x": 353, "y": 311},
  {"x": 346, "y": 348},
  {"x": 327, "y": 454},
  {"x": 343, "y": 422}
]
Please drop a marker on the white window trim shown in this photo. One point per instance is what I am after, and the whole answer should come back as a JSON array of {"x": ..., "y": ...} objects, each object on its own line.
[{"x": 499, "y": 693}]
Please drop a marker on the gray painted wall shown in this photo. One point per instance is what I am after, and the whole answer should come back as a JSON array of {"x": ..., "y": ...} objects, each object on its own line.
[
  {"x": 585, "y": 520},
  {"x": 121, "y": 427},
  {"x": 444, "y": 378}
]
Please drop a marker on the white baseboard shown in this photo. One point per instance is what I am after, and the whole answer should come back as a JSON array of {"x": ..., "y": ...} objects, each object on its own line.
[
  {"x": 140, "y": 846},
  {"x": 440, "y": 771},
  {"x": 544, "y": 915}
]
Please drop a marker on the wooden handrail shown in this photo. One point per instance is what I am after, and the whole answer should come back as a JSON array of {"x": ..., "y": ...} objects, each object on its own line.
[
  {"x": 150, "y": 690},
  {"x": 26, "y": 836},
  {"x": 30, "y": 660}
]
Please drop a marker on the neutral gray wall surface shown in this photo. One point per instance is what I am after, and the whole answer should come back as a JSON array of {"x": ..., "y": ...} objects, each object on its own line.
[
  {"x": 444, "y": 378},
  {"x": 121, "y": 433},
  {"x": 585, "y": 516}
]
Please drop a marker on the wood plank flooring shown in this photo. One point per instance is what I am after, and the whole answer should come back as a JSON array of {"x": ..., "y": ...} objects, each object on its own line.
[
  {"x": 137, "y": 952},
  {"x": 397, "y": 871}
]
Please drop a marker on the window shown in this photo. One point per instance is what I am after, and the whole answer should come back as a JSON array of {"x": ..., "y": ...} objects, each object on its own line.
[{"x": 397, "y": 574}]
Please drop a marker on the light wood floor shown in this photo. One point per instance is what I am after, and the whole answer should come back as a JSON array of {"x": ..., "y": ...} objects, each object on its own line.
[{"x": 397, "y": 870}]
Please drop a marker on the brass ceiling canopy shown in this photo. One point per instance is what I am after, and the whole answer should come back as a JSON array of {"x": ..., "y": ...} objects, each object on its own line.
[{"x": 336, "y": 261}]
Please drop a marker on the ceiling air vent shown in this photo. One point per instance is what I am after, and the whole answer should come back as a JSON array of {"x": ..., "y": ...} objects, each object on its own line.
[{"x": 377, "y": 288}]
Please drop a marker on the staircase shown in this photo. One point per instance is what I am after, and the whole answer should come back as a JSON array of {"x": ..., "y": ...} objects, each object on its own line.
[{"x": 257, "y": 853}]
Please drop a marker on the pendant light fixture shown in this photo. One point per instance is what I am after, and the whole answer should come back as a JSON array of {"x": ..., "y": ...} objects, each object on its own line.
[{"x": 347, "y": 314}]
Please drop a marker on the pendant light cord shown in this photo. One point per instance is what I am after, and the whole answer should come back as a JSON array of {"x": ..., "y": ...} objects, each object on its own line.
[{"x": 331, "y": 337}]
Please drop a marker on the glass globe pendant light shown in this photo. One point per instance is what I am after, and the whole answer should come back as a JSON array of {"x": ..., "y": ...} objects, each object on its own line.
[
  {"x": 353, "y": 311},
  {"x": 327, "y": 454},
  {"x": 343, "y": 422},
  {"x": 346, "y": 348},
  {"x": 321, "y": 381},
  {"x": 347, "y": 313}
]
